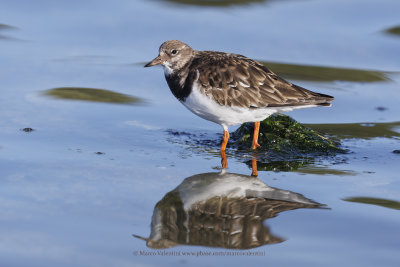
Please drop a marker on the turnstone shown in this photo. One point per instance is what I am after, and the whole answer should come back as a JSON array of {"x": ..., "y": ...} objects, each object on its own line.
[{"x": 229, "y": 89}]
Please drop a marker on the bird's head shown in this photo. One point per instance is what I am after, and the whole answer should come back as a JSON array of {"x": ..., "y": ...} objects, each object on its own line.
[{"x": 173, "y": 55}]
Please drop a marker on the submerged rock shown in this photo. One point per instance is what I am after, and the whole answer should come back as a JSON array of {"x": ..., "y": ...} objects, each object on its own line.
[
  {"x": 286, "y": 145},
  {"x": 283, "y": 135}
]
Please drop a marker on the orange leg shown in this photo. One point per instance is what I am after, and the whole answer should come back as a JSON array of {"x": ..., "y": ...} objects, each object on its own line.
[
  {"x": 224, "y": 161},
  {"x": 255, "y": 135},
  {"x": 225, "y": 139},
  {"x": 254, "y": 171}
]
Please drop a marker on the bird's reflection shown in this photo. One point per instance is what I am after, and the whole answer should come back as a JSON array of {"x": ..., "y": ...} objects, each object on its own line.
[{"x": 220, "y": 210}]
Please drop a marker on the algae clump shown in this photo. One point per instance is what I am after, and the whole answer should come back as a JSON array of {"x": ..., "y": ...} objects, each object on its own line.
[
  {"x": 283, "y": 135},
  {"x": 92, "y": 94}
]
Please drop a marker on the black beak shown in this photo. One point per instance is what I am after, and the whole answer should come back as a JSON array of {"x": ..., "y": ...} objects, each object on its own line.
[{"x": 156, "y": 61}]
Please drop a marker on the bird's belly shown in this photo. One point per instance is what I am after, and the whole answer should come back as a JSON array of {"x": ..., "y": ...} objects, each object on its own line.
[{"x": 208, "y": 109}]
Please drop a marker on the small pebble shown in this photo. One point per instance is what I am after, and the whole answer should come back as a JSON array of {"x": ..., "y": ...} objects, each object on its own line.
[
  {"x": 381, "y": 108},
  {"x": 397, "y": 151},
  {"x": 27, "y": 130},
  {"x": 370, "y": 172},
  {"x": 100, "y": 153}
]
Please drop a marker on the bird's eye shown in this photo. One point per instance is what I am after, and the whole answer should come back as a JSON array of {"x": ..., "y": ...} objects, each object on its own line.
[{"x": 173, "y": 51}]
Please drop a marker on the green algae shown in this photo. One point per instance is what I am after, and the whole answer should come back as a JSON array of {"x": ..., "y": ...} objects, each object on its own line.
[
  {"x": 325, "y": 171},
  {"x": 266, "y": 164},
  {"x": 214, "y": 3},
  {"x": 304, "y": 165},
  {"x": 394, "y": 30},
  {"x": 6, "y": 27},
  {"x": 325, "y": 74},
  {"x": 92, "y": 95},
  {"x": 283, "y": 135},
  {"x": 387, "y": 203},
  {"x": 366, "y": 130}
]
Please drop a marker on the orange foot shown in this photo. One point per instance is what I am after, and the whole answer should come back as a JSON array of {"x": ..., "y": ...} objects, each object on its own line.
[{"x": 255, "y": 145}]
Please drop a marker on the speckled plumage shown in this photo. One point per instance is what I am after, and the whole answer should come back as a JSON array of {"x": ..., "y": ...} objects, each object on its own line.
[
  {"x": 235, "y": 80},
  {"x": 232, "y": 80}
]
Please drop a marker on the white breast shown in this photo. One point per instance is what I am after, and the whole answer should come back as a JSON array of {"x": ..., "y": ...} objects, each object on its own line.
[{"x": 208, "y": 109}]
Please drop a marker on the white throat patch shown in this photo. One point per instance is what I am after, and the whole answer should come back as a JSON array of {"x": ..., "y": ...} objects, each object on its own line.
[{"x": 167, "y": 68}]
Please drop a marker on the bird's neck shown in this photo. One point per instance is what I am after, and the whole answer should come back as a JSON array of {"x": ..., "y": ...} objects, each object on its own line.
[{"x": 178, "y": 81}]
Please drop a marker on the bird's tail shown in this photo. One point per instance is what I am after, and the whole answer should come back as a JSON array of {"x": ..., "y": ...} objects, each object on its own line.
[{"x": 318, "y": 99}]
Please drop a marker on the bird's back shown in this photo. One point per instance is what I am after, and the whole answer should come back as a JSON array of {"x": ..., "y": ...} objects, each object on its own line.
[{"x": 237, "y": 81}]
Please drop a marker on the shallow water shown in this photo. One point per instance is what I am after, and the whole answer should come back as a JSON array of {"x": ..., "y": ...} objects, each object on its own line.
[{"x": 90, "y": 174}]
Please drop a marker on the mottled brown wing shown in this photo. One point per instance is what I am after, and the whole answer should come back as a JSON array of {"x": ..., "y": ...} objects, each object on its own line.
[{"x": 234, "y": 80}]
